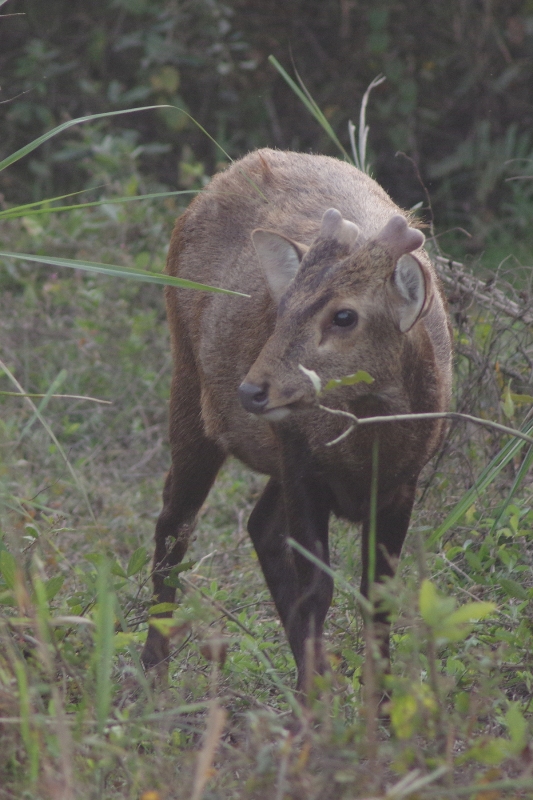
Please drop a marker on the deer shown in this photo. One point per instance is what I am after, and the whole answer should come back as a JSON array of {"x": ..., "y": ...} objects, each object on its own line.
[{"x": 337, "y": 281}]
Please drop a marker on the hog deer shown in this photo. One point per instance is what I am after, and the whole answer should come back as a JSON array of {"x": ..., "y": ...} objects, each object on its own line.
[{"x": 338, "y": 282}]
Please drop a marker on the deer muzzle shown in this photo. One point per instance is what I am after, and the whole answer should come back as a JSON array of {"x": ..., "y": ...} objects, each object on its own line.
[
  {"x": 258, "y": 400},
  {"x": 253, "y": 398}
]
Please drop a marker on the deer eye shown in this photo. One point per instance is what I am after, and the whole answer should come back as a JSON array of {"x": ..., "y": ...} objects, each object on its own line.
[{"x": 347, "y": 318}]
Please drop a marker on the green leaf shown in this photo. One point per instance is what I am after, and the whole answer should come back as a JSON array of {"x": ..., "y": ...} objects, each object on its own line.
[
  {"x": 7, "y": 599},
  {"x": 163, "y": 608},
  {"x": 521, "y": 399},
  {"x": 8, "y": 568},
  {"x": 474, "y": 560},
  {"x": 517, "y": 727},
  {"x": 349, "y": 380},
  {"x": 123, "y": 639},
  {"x": 507, "y": 403},
  {"x": 183, "y": 567},
  {"x": 433, "y": 607},
  {"x": 513, "y": 589},
  {"x": 488, "y": 750},
  {"x": 471, "y": 612},
  {"x": 167, "y": 627},
  {"x": 173, "y": 578},
  {"x": 95, "y": 558},
  {"x": 137, "y": 562},
  {"x": 117, "y": 570},
  {"x": 447, "y": 623},
  {"x": 53, "y": 586}
]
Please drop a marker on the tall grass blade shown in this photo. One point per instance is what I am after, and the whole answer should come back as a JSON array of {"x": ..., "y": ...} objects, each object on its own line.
[
  {"x": 31, "y": 146},
  {"x": 59, "y": 396},
  {"x": 373, "y": 515},
  {"x": 28, "y": 206},
  {"x": 53, "y": 437},
  {"x": 321, "y": 117},
  {"x": 42, "y": 614},
  {"x": 31, "y": 209},
  {"x": 488, "y": 475},
  {"x": 56, "y": 383},
  {"x": 359, "y": 149},
  {"x": 519, "y": 479},
  {"x": 104, "y": 643},
  {"x": 249, "y": 643},
  {"x": 204, "y": 765},
  {"x": 31, "y": 742},
  {"x": 141, "y": 675},
  {"x": 113, "y": 270},
  {"x": 310, "y": 104},
  {"x": 341, "y": 583}
]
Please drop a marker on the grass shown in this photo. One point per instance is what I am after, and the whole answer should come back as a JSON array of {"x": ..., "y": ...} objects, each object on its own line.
[{"x": 78, "y": 717}]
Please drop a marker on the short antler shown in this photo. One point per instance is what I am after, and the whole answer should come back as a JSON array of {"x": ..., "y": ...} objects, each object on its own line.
[
  {"x": 335, "y": 227},
  {"x": 399, "y": 238}
]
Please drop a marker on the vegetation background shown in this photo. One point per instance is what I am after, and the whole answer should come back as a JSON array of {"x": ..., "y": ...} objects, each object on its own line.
[
  {"x": 452, "y": 124},
  {"x": 458, "y": 98}
]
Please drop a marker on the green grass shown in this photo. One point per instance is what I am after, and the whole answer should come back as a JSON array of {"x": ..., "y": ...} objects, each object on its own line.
[{"x": 77, "y": 716}]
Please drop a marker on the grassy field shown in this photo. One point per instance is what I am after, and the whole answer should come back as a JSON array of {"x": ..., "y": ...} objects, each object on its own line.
[{"x": 81, "y": 484}]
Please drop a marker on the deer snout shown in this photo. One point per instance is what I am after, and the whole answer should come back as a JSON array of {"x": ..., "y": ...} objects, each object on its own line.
[
  {"x": 253, "y": 398},
  {"x": 272, "y": 406}
]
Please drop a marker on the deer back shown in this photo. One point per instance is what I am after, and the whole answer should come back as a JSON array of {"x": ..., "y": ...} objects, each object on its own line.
[{"x": 315, "y": 243}]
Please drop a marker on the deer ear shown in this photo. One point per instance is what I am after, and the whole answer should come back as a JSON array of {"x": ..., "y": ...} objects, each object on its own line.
[
  {"x": 280, "y": 259},
  {"x": 409, "y": 292}
]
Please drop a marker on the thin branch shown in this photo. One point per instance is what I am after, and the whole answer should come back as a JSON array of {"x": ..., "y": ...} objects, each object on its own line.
[
  {"x": 357, "y": 422},
  {"x": 64, "y": 396}
]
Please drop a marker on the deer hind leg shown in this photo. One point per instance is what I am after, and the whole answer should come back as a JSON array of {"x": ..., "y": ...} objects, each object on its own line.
[
  {"x": 301, "y": 590},
  {"x": 392, "y": 523},
  {"x": 195, "y": 463}
]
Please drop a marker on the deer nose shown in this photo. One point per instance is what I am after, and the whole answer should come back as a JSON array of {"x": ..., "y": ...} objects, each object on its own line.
[{"x": 253, "y": 398}]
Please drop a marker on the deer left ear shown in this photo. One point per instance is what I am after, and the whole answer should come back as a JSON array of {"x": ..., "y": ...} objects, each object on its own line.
[
  {"x": 409, "y": 292},
  {"x": 280, "y": 259}
]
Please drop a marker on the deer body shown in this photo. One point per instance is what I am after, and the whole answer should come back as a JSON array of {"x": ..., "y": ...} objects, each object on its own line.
[{"x": 327, "y": 259}]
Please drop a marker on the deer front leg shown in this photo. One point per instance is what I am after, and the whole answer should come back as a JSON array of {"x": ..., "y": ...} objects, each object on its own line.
[
  {"x": 195, "y": 463},
  {"x": 301, "y": 590}
]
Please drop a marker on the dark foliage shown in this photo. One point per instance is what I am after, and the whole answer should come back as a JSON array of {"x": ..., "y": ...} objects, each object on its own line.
[{"x": 458, "y": 99}]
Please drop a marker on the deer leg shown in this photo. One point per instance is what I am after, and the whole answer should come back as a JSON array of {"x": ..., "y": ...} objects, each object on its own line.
[
  {"x": 195, "y": 463},
  {"x": 301, "y": 590},
  {"x": 392, "y": 523}
]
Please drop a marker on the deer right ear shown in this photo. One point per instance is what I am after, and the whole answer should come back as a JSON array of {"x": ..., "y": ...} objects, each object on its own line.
[
  {"x": 408, "y": 291},
  {"x": 280, "y": 259}
]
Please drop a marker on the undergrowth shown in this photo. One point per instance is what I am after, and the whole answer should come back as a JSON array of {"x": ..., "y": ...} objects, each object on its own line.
[{"x": 78, "y": 718}]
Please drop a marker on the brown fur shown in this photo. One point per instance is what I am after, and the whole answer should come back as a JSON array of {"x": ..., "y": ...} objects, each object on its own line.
[{"x": 220, "y": 341}]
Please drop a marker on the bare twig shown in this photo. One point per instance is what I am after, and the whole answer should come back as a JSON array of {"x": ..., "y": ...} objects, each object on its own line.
[
  {"x": 357, "y": 422},
  {"x": 61, "y": 396},
  {"x": 454, "y": 275},
  {"x": 213, "y": 731}
]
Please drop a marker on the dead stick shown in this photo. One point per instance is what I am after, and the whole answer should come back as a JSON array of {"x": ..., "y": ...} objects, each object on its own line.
[{"x": 357, "y": 422}]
